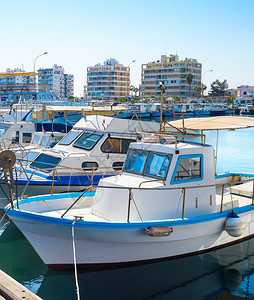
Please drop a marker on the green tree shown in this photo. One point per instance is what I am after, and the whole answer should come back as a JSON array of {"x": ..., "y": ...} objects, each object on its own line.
[
  {"x": 177, "y": 98},
  {"x": 232, "y": 98},
  {"x": 134, "y": 89},
  {"x": 198, "y": 90},
  {"x": 189, "y": 79},
  {"x": 218, "y": 87}
]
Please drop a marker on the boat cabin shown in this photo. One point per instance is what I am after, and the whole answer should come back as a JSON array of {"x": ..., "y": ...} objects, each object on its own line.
[
  {"x": 157, "y": 178},
  {"x": 17, "y": 131},
  {"x": 95, "y": 144}
]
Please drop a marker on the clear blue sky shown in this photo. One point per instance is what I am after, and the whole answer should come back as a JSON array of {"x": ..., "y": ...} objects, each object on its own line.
[{"x": 81, "y": 33}]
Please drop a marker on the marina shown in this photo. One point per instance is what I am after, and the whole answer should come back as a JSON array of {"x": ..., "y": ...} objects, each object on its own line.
[
  {"x": 236, "y": 267},
  {"x": 126, "y": 150}
]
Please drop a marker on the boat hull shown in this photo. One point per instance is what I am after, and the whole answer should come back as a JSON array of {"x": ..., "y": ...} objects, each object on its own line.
[{"x": 108, "y": 243}]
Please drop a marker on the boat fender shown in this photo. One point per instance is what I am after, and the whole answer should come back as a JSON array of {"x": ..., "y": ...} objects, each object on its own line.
[
  {"x": 159, "y": 231},
  {"x": 234, "y": 226}
]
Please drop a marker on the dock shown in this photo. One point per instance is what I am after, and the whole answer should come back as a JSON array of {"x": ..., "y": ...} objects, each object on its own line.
[{"x": 10, "y": 289}]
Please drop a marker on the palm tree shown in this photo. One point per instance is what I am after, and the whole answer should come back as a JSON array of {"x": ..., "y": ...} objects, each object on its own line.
[
  {"x": 198, "y": 90},
  {"x": 189, "y": 79}
]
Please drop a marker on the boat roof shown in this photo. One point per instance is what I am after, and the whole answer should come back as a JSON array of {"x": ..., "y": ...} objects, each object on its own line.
[
  {"x": 109, "y": 124},
  {"x": 213, "y": 123}
]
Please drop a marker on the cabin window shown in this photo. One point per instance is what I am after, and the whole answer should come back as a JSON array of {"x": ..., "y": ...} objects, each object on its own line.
[
  {"x": 116, "y": 145},
  {"x": 45, "y": 162},
  {"x": 70, "y": 137},
  {"x": 87, "y": 140},
  {"x": 157, "y": 165},
  {"x": 89, "y": 165},
  {"x": 3, "y": 129},
  {"x": 117, "y": 165},
  {"x": 15, "y": 136},
  {"x": 36, "y": 139},
  {"x": 28, "y": 158},
  {"x": 54, "y": 140},
  {"x": 135, "y": 161},
  {"x": 44, "y": 141},
  {"x": 27, "y": 137},
  {"x": 188, "y": 168}
]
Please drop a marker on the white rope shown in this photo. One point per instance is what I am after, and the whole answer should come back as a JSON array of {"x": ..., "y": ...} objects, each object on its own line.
[
  {"x": 132, "y": 197},
  {"x": 181, "y": 193},
  {"x": 75, "y": 262}
]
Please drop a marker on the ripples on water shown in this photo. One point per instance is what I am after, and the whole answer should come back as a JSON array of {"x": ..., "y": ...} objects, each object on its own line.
[{"x": 220, "y": 274}]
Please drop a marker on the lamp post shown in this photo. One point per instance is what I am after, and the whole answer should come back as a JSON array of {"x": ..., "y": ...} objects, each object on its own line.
[
  {"x": 38, "y": 57},
  {"x": 202, "y": 80},
  {"x": 127, "y": 82},
  {"x": 162, "y": 88},
  {"x": 34, "y": 68}
]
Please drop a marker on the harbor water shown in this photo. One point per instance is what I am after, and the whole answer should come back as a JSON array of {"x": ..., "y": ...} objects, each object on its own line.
[{"x": 227, "y": 273}]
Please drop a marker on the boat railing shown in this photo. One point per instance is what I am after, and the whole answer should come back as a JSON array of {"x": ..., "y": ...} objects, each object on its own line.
[
  {"x": 68, "y": 171},
  {"x": 80, "y": 196},
  {"x": 166, "y": 137},
  {"x": 182, "y": 190}
]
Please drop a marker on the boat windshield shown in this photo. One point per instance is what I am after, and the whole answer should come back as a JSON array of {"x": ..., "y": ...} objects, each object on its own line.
[
  {"x": 3, "y": 129},
  {"x": 36, "y": 139},
  {"x": 54, "y": 140},
  {"x": 88, "y": 140},
  {"x": 70, "y": 137},
  {"x": 44, "y": 141},
  {"x": 45, "y": 162},
  {"x": 29, "y": 157},
  {"x": 147, "y": 163}
]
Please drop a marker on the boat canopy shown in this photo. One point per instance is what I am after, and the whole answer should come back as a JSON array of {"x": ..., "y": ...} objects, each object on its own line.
[{"x": 213, "y": 123}]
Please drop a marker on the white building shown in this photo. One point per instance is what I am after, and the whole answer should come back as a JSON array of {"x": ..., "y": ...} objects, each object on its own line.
[
  {"x": 245, "y": 91},
  {"x": 54, "y": 80}
]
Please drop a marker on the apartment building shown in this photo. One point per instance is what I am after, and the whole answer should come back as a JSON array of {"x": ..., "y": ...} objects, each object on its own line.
[
  {"x": 54, "y": 80},
  {"x": 69, "y": 85},
  {"x": 16, "y": 78},
  {"x": 110, "y": 80},
  {"x": 172, "y": 72}
]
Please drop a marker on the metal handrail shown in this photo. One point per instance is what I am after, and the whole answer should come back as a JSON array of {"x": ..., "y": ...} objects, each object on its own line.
[{"x": 76, "y": 201}]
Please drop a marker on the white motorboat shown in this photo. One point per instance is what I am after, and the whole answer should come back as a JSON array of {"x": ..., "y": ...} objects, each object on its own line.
[
  {"x": 94, "y": 148},
  {"x": 167, "y": 202}
]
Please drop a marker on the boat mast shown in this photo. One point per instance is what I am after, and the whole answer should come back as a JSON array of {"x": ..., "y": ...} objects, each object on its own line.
[{"x": 162, "y": 88}]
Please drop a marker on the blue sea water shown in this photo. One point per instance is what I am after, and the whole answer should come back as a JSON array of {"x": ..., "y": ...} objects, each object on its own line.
[{"x": 220, "y": 274}]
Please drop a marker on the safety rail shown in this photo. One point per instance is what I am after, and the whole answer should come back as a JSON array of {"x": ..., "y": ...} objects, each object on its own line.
[
  {"x": 166, "y": 137},
  {"x": 86, "y": 190},
  {"x": 89, "y": 173},
  {"x": 182, "y": 190}
]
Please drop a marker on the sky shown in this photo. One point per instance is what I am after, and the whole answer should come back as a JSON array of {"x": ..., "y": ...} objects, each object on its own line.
[{"x": 81, "y": 33}]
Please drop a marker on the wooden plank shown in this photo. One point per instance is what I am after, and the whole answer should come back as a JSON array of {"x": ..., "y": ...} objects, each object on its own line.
[{"x": 13, "y": 290}]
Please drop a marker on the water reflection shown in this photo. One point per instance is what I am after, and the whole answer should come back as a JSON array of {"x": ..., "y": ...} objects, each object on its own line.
[{"x": 228, "y": 271}]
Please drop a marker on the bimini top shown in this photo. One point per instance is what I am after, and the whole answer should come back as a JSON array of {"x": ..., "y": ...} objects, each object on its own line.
[{"x": 213, "y": 123}]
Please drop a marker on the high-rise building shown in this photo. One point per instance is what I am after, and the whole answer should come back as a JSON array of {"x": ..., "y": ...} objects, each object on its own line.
[
  {"x": 54, "y": 80},
  {"x": 110, "y": 80},
  {"x": 172, "y": 72},
  {"x": 69, "y": 85}
]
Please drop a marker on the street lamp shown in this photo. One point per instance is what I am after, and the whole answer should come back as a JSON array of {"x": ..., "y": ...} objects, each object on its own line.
[
  {"x": 38, "y": 57},
  {"x": 202, "y": 80},
  {"x": 162, "y": 88},
  {"x": 128, "y": 82},
  {"x": 34, "y": 69}
]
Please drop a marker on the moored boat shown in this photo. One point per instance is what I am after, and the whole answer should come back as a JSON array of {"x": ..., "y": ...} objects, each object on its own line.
[{"x": 167, "y": 202}]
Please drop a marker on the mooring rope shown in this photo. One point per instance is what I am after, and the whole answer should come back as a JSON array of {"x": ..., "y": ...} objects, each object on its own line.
[
  {"x": 138, "y": 212},
  {"x": 181, "y": 193},
  {"x": 75, "y": 261}
]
